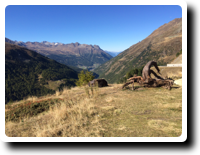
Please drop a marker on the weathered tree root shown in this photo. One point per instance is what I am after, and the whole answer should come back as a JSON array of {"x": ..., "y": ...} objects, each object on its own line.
[
  {"x": 146, "y": 79},
  {"x": 127, "y": 83},
  {"x": 165, "y": 83},
  {"x": 135, "y": 78}
]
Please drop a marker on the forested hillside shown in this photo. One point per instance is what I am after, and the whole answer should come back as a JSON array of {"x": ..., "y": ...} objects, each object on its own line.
[{"x": 26, "y": 73}]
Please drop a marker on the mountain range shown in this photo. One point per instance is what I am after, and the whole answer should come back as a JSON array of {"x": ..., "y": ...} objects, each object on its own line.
[
  {"x": 161, "y": 45},
  {"x": 74, "y": 54}
]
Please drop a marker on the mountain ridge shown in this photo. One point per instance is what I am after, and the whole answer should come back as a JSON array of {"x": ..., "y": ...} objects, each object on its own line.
[
  {"x": 74, "y": 54},
  {"x": 161, "y": 45}
]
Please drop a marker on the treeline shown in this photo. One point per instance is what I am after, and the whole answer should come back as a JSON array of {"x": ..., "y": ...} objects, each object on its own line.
[{"x": 131, "y": 73}]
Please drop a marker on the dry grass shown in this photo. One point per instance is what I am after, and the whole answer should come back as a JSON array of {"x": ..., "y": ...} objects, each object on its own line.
[
  {"x": 70, "y": 118},
  {"x": 106, "y": 112},
  {"x": 67, "y": 122},
  {"x": 32, "y": 98},
  {"x": 128, "y": 113},
  {"x": 164, "y": 126}
]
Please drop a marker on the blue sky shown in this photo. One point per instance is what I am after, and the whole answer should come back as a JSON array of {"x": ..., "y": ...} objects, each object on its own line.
[{"x": 112, "y": 27}]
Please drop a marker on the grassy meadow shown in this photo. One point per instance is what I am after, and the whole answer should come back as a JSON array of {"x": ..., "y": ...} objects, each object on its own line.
[{"x": 98, "y": 112}]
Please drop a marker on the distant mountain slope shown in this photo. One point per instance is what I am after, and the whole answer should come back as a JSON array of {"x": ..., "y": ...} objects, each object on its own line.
[
  {"x": 161, "y": 46},
  {"x": 74, "y": 54},
  {"x": 27, "y": 71},
  {"x": 113, "y": 54}
]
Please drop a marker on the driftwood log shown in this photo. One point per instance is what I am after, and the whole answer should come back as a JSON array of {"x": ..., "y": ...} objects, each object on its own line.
[{"x": 146, "y": 79}]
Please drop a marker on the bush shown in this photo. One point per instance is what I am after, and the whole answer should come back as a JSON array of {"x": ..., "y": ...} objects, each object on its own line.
[
  {"x": 84, "y": 77},
  {"x": 128, "y": 75}
]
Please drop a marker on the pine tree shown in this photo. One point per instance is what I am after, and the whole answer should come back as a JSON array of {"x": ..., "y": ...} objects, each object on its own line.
[{"x": 84, "y": 77}]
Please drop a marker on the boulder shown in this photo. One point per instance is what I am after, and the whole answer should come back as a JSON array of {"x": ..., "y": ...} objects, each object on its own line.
[{"x": 98, "y": 82}]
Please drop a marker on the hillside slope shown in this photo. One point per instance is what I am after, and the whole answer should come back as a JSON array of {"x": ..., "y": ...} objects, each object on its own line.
[
  {"x": 74, "y": 54},
  {"x": 177, "y": 60},
  {"x": 99, "y": 112},
  {"x": 26, "y": 72},
  {"x": 161, "y": 46}
]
